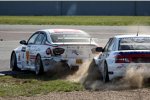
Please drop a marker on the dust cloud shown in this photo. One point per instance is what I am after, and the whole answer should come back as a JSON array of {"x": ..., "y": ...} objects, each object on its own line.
[
  {"x": 136, "y": 75},
  {"x": 81, "y": 74},
  {"x": 90, "y": 77}
]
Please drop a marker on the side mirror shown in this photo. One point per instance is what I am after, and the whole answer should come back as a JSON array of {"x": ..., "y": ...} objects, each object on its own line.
[
  {"x": 99, "y": 49},
  {"x": 23, "y": 42}
]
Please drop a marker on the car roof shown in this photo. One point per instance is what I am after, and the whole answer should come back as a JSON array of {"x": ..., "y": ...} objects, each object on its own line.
[
  {"x": 132, "y": 36},
  {"x": 55, "y": 31}
]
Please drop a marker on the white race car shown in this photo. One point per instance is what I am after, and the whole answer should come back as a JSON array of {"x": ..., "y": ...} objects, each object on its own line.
[
  {"x": 121, "y": 52},
  {"x": 47, "y": 47}
]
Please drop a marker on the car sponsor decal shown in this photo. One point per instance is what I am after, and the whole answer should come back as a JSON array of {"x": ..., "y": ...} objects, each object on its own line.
[
  {"x": 135, "y": 54},
  {"x": 23, "y": 49},
  {"x": 27, "y": 57}
]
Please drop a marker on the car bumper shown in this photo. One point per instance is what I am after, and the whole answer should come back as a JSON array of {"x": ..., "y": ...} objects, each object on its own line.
[{"x": 49, "y": 63}]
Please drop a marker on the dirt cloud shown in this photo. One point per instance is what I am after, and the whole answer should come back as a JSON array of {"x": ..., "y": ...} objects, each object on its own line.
[
  {"x": 91, "y": 78},
  {"x": 136, "y": 75}
]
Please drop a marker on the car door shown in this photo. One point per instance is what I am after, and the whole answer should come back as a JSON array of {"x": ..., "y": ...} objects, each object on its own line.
[
  {"x": 27, "y": 50},
  {"x": 37, "y": 48},
  {"x": 107, "y": 50}
]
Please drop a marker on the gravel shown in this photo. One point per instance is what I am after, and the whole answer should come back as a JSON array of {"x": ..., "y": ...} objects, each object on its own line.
[{"x": 137, "y": 94}]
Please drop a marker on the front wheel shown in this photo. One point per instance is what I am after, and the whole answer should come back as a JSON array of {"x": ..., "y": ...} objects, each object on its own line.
[
  {"x": 38, "y": 66},
  {"x": 105, "y": 74},
  {"x": 13, "y": 62}
]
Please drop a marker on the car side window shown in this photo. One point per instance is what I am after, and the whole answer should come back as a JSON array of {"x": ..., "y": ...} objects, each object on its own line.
[
  {"x": 106, "y": 46},
  {"x": 44, "y": 40},
  {"x": 111, "y": 46},
  {"x": 40, "y": 39},
  {"x": 33, "y": 38}
]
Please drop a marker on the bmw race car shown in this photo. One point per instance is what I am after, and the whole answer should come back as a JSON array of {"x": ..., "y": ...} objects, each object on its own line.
[
  {"x": 121, "y": 52},
  {"x": 47, "y": 47}
]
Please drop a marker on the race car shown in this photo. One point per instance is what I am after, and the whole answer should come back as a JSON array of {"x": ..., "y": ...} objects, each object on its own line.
[
  {"x": 47, "y": 47},
  {"x": 122, "y": 52}
]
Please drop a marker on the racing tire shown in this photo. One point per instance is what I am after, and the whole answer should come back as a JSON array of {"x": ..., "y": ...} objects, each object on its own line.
[
  {"x": 13, "y": 62},
  {"x": 38, "y": 65},
  {"x": 105, "y": 74}
]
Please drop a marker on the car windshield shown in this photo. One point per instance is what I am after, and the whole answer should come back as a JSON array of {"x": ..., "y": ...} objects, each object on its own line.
[
  {"x": 58, "y": 38},
  {"x": 135, "y": 43}
]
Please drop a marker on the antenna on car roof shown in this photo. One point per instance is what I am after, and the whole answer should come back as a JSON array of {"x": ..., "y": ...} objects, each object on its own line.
[{"x": 137, "y": 31}]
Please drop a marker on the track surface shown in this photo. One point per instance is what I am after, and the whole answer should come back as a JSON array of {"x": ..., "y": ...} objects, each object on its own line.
[{"x": 12, "y": 34}]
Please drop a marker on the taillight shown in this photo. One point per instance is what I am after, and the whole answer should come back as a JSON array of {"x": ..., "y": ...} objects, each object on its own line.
[
  {"x": 58, "y": 51},
  {"x": 48, "y": 51},
  {"x": 122, "y": 59}
]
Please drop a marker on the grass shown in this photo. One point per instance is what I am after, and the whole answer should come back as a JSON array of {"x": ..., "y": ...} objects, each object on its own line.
[
  {"x": 29, "y": 85},
  {"x": 76, "y": 20}
]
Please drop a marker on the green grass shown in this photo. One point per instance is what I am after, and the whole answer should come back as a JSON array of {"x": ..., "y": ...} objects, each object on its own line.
[
  {"x": 29, "y": 85},
  {"x": 76, "y": 20}
]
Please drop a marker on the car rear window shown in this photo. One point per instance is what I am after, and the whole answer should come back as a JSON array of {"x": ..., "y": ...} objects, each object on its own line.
[
  {"x": 135, "y": 43},
  {"x": 57, "y": 38}
]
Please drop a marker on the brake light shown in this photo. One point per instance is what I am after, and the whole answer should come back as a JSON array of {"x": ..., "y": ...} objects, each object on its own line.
[
  {"x": 58, "y": 51},
  {"x": 48, "y": 51},
  {"x": 122, "y": 59}
]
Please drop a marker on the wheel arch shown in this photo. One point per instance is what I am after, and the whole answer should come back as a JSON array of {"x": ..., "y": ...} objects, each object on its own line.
[
  {"x": 38, "y": 54},
  {"x": 14, "y": 66}
]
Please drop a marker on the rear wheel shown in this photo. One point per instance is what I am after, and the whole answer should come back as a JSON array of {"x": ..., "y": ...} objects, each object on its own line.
[
  {"x": 13, "y": 62},
  {"x": 105, "y": 74},
  {"x": 38, "y": 66}
]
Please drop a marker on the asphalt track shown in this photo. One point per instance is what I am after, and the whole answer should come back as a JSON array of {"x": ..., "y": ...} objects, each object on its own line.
[{"x": 10, "y": 35}]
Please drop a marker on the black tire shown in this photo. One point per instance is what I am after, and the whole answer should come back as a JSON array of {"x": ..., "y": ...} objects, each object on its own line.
[
  {"x": 105, "y": 74},
  {"x": 38, "y": 65},
  {"x": 13, "y": 62}
]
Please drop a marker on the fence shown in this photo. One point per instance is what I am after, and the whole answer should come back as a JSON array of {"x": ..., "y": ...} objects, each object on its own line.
[{"x": 56, "y": 8}]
